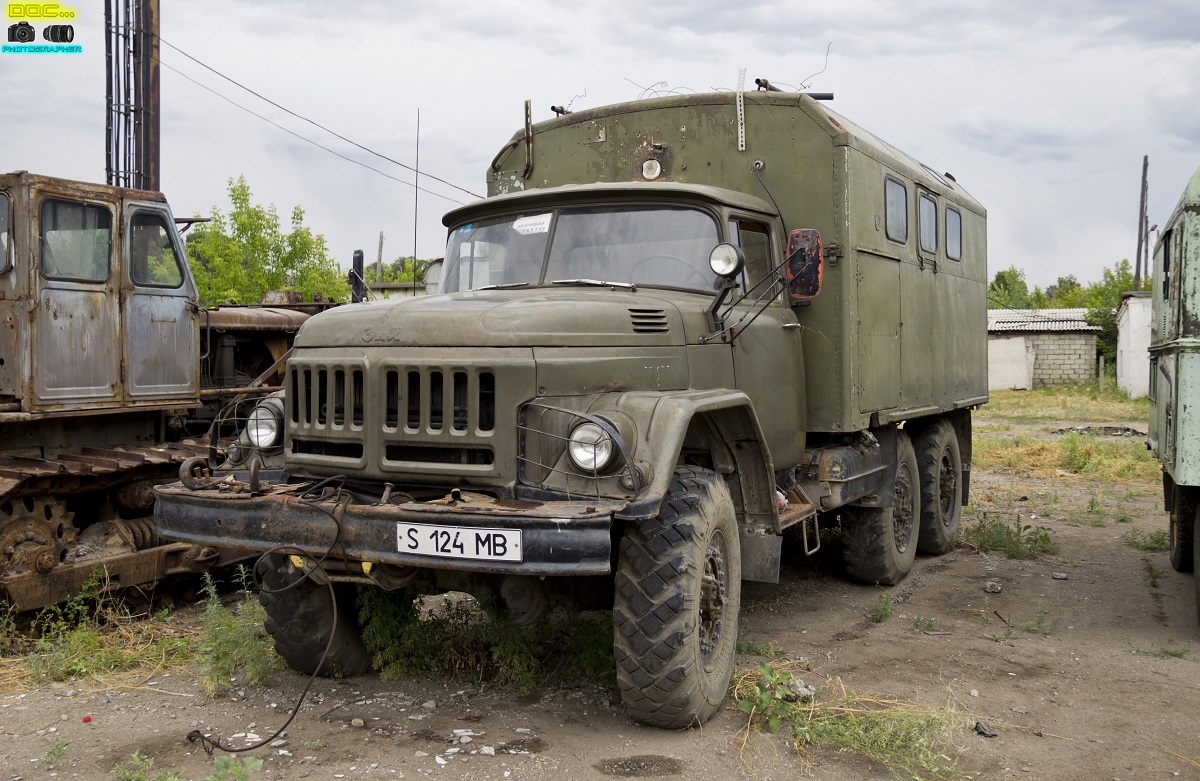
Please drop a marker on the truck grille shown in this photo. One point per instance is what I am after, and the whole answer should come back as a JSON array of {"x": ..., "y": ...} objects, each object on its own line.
[{"x": 382, "y": 416}]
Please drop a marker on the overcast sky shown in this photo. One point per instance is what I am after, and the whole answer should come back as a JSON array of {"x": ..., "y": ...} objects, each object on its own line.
[{"x": 1042, "y": 110}]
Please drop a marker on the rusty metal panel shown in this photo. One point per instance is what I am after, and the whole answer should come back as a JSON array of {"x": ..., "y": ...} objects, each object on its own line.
[
  {"x": 159, "y": 324},
  {"x": 253, "y": 318}
]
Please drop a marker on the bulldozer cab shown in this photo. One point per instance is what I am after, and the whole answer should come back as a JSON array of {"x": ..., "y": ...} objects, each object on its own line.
[{"x": 97, "y": 276}]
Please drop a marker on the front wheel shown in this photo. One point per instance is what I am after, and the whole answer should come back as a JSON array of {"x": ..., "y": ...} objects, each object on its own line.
[
  {"x": 300, "y": 619},
  {"x": 675, "y": 612},
  {"x": 880, "y": 543}
]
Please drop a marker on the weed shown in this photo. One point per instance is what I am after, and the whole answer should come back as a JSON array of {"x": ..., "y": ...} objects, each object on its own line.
[
  {"x": 1156, "y": 540},
  {"x": 749, "y": 647},
  {"x": 86, "y": 636},
  {"x": 1151, "y": 575},
  {"x": 1038, "y": 626},
  {"x": 905, "y": 737},
  {"x": 456, "y": 639},
  {"x": 1164, "y": 653},
  {"x": 233, "y": 641},
  {"x": 1124, "y": 517},
  {"x": 313, "y": 745},
  {"x": 589, "y": 647},
  {"x": 922, "y": 624},
  {"x": 1081, "y": 454},
  {"x": 1015, "y": 540},
  {"x": 769, "y": 701},
  {"x": 1094, "y": 504},
  {"x": 234, "y": 768},
  {"x": 1064, "y": 402},
  {"x": 1009, "y": 630},
  {"x": 139, "y": 768},
  {"x": 9, "y": 635},
  {"x": 883, "y": 608},
  {"x": 56, "y": 750}
]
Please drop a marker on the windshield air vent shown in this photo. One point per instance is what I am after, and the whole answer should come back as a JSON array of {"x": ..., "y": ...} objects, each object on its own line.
[{"x": 649, "y": 321}]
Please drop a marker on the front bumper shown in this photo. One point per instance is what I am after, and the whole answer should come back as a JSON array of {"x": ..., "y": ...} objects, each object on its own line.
[{"x": 558, "y": 538}]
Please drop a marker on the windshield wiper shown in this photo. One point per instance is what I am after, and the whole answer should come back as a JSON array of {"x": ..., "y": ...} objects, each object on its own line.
[
  {"x": 592, "y": 282},
  {"x": 503, "y": 285}
]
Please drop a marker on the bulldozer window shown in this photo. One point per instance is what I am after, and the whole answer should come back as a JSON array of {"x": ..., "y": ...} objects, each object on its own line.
[
  {"x": 76, "y": 241},
  {"x": 152, "y": 258},
  {"x": 5, "y": 240}
]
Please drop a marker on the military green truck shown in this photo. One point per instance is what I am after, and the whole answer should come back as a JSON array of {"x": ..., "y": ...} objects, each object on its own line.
[
  {"x": 675, "y": 328},
  {"x": 1175, "y": 374}
]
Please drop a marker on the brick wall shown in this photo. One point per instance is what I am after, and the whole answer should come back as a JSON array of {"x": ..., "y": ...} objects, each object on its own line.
[{"x": 1063, "y": 357}]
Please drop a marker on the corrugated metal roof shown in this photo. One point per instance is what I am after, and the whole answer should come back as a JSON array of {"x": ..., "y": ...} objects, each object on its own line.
[{"x": 1039, "y": 320}]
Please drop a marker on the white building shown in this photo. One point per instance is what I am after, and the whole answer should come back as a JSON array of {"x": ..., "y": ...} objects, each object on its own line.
[
  {"x": 1032, "y": 348},
  {"x": 1133, "y": 344}
]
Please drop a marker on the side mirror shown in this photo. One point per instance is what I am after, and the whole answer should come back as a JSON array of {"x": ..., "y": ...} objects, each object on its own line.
[{"x": 805, "y": 264}]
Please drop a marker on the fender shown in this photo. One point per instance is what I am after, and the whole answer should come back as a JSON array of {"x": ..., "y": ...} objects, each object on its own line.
[{"x": 725, "y": 421}]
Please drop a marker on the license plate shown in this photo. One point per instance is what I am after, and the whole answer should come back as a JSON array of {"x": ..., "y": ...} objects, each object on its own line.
[{"x": 459, "y": 542}]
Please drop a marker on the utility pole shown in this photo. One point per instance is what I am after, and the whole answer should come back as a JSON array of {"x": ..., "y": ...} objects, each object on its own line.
[
  {"x": 379, "y": 261},
  {"x": 132, "y": 132},
  {"x": 1142, "y": 238}
]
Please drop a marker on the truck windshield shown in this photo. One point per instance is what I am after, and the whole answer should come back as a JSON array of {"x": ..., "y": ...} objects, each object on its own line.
[{"x": 667, "y": 246}]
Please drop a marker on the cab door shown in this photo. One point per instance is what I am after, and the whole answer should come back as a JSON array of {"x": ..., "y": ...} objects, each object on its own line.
[
  {"x": 159, "y": 311},
  {"x": 76, "y": 347},
  {"x": 768, "y": 360}
]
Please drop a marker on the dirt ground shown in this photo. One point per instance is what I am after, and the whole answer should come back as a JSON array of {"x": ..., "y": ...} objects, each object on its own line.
[{"x": 1105, "y": 686}]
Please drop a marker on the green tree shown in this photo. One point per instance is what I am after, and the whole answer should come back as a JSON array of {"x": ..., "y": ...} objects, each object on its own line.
[
  {"x": 1067, "y": 293},
  {"x": 244, "y": 254},
  {"x": 1009, "y": 291},
  {"x": 1102, "y": 300},
  {"x": 405, "y": 269}
]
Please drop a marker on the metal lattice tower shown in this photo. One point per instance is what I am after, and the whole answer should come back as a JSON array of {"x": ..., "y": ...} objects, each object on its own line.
[{"x": 132, "y": 91}]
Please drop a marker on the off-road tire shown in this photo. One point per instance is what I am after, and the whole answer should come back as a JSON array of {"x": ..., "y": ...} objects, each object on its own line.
[
  {"x": 879, "y": 544},
  {"x": 939, "y": 462},
  {"x": 1196, "y": 557},
  {"x": 675, "y": 612},
  {"x": 1183, "y": 528},
  {"x": 300, "y": 620}
]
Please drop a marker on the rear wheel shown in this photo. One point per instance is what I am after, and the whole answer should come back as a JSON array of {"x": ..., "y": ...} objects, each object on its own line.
[
  {"x": 1196, "y": 557},
  {"x": 940, "y": 465},
  {"x": 1183, "y": 528},
  {"x": 301, "y": 621},
  {"x": 880, "y": 543},
  {"x": 675, "y": 612}
]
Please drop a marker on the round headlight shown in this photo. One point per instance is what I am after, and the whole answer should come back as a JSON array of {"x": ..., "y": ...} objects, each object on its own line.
[
  {"x": 264, "y": 427},
  {"x": 590, "y": 447},
  {"x": 726, "y": 260}
]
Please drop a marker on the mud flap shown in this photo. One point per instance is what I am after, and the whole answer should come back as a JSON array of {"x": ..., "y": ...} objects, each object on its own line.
[{"x": 761, "y": 555}]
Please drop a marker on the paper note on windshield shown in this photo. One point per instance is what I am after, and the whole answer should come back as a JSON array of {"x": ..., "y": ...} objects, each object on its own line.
[{"x": 534, "y": 223}]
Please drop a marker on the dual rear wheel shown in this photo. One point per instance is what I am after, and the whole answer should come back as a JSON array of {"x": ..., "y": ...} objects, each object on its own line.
[{"x": 881, "y": 543}]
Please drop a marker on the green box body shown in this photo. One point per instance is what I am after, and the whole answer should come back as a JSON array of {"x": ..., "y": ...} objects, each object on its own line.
[{"x": 896, "y": 332}]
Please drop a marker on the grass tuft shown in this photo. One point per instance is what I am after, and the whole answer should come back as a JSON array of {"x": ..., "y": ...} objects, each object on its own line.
[
  {"x": 906, "y": 737},
  {"x": 1120, "y": 460},
  {"x": 462, "y": 639},
  {"x": 1157, "y": 540},
  {"x": 1014, "y": 539},
  {"x": 233, "y": 641}
]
